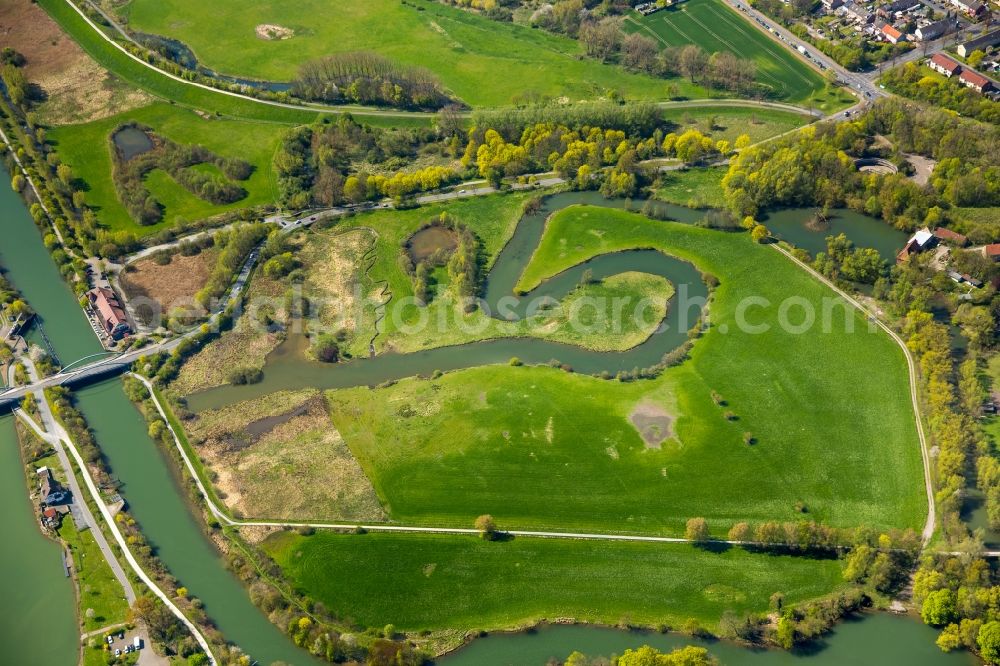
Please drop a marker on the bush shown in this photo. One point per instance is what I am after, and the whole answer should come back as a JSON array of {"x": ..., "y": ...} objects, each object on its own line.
[
  {"x": 244, "y": 375},
  {"x": 326, "y": 349}
]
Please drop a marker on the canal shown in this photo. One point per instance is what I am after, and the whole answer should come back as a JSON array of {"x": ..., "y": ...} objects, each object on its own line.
[
  {"x": 39, "y": 622},
  {"x": 157, "y": 503},
  {"x": 29, "y": 267}
]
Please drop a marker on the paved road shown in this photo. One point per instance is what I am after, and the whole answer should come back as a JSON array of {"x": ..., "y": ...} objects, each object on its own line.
[
  {"x": 54, "y": 435},
  {"x": 119, "y": 538}
]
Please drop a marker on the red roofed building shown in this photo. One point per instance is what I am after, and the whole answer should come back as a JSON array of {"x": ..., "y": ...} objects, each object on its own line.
[
  {"x": 109, "y": 312},
  {"x": 941, "y": 63},
  {"x": 892, "y": 35},
  {"x": 975, "y": 80},
  {"x": 949, "y": 236},
  {"x": 992, "y": 251}
]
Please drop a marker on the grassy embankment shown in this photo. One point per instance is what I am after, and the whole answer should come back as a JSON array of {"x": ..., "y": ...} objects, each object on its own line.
[
  {"x": 698, "y": 187},
  {"x": 462, "y": 48},
  {"x": 728, "y": 122},
  {"x": 540, "y": 448},
  {"x": 444, "y": 582},
  {"x": 87, "y": 149}
]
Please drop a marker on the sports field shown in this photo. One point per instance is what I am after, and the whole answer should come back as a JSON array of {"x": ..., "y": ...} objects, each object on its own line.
[
  {"x": 537, "y": 447},
  {"x": 464, "y": 49},
  {"x": 714, "y": 27},
  {"x": 432, "y": 582},
  {"x": 86, "y": 148}
]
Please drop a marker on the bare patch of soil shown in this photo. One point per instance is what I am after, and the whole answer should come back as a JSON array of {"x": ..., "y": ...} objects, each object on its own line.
[
  {"x": 170, "y": 285},
  {"x": 75, "y": 88},
  {"x": 291, "y": 463},
  {"x": 653, "y": 422},
  {"x": 271, "y": 32}
]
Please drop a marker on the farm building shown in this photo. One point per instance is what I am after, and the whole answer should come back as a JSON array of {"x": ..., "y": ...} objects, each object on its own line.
[
  {"x": 109, "y": 312},
  {"x": 920, "y": 241},
  {"x": 950, "y": 237},
  {"x": 975, "y": 80},
  {"x": 979, "y": 43},
  {"x": 941, "y": 63}
]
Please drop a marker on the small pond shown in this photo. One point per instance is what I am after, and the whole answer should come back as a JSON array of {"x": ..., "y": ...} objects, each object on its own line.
[
  {"x": 430, "y": 240},
  {"x": 132, "y": 141},
  {"x": 793, "y": 225}
]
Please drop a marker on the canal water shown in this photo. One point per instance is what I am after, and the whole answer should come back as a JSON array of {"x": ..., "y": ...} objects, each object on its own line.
[
  {"x": 38, "y": 622},
  {"x": 158, "y": 505},
  {"x": 27, "y": 264},
  {"x": 871, "y": 640}
]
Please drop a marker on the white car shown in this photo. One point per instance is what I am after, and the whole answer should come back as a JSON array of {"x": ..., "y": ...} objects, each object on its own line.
[
  {"x": 118, "y": 652},
  {"x": 461, "y": 191}
]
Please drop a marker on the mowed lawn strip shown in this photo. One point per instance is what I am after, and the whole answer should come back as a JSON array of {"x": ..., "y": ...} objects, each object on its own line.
[
  {"x": 540, "y": 448},
  {"x": 462, "y": 48},
  {"x": 86, "y": 149},
  {"x": 432, "y": 582}
]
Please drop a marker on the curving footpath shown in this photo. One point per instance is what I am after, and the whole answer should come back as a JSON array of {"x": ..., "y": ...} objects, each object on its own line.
[
  {"x": 64, "y": 437},
  {"x": 911, "y": 365}
]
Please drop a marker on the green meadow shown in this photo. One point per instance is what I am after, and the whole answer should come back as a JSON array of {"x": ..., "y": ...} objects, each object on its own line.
[
  {"x": 464, "y": 49},
  {"x": 427, "y": 582},
  {"x": 87, "y": 149},
  {"x": 537, "y": 447}
]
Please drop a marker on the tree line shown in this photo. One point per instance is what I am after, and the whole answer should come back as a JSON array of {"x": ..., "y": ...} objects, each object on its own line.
[{"x": 369, "y": 78}]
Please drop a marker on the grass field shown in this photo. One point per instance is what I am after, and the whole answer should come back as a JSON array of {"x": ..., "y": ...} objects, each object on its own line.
[
  {"x": 541, "y": 448},
  {"x": 698, "y": 188},
  {"x": 86, "y": 148},
  {"x": 432, "y": 582},
  {"x": 462, "y": 48},
  {"x": 182, "y": 94},
  {"x": 714, "y": 27},
  {"x": 728, "y": 122}
]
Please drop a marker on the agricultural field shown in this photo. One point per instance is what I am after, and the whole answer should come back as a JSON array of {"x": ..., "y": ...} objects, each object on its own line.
[
  {"x": 714, "y": 27},
  {"x": 462, "y": 48},
  {"x": 87, "y": 150},
  {"x": 428, "y": 582}
]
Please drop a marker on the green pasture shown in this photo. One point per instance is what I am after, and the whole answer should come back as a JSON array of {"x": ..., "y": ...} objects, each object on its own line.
[
  {"x": 537, "y": 447},
  {"x": 483, "y": 62},
  {"x": 87, "y": 149},
  {"x": 419, "y": 581},
  {"x": 728, "y": 122}
]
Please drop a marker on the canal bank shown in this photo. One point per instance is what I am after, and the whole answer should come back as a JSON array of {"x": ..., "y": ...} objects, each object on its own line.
[
  {"x": 159, "y": 506},
  {"x": 29, "y": 267},
  {"x": 39, "y": 624}
]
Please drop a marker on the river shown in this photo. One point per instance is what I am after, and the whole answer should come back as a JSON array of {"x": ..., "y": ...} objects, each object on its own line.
[{"x": 38, "y": 626}]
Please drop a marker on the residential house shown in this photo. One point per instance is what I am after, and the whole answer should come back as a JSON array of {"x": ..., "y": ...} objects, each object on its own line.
[
  {"x": 889, "y": 9},
  {"x": 950, "y": 237},
  {"x": 109, "y": 312},
  {"x": 980, "y": 43},
  {"x": 856, "y": 13},
  {"x": 939, "y": 62},
  {"x": 969, "y": 7},
  {"x": 831, "y": 5},
  {"x": 919, "y": 242},
  {"x": 933, "y": 30},
  {"x": 973, "y": 79},
  {"x": 992, "y": 251},
  {"x": 891, "y": 35}
]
